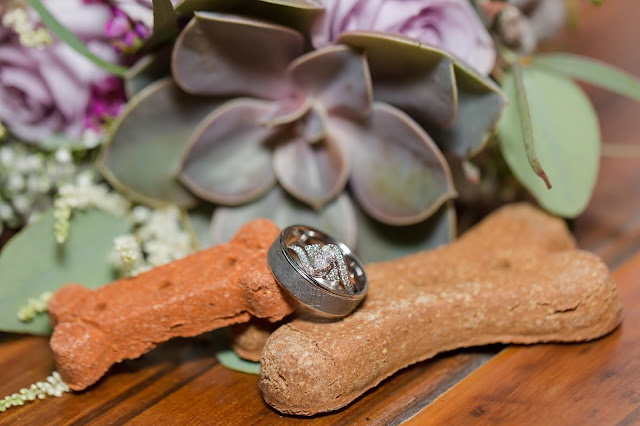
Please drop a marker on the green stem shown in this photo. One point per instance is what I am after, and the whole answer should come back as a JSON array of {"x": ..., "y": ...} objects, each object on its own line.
[{"x": 74, "y": 42}]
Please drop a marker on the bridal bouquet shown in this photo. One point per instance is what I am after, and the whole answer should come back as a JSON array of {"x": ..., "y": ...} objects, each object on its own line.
[{"x": 134, "y": 131}]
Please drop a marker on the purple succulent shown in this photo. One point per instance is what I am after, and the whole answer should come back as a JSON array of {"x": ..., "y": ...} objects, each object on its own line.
[
  {"x": 317, "y": 116},
  {"x": 265, "y": 110}
]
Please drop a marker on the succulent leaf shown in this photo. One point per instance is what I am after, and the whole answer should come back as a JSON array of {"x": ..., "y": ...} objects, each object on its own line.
[
  {"x": 398, "y": 175},
  {"x": 336, "y": 77},
  {"x": 299, "y": 4},
  {"x": 337, "y": 218},
  {"x": 312, "y": 173},
  {"x": 287, "y": 111},
  {"x": 149, "y": 68},
  {"x": 416, "y": 78},
  {"x": 228, "y": 159},
  {"x": 480, "y": 105},
  {"x": 165, "y": 24},
  {"x": 297, "y": 14},
  {"x": 222, "y": 55},
  {"x": 200, "y": 224},
  {"x": 142, "y": 154},
  {"x": 313, "y": 126},
  {"x": 378, "y": 242}
]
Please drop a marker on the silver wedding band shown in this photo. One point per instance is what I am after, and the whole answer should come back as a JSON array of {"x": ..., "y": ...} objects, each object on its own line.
[{"x": 317, "y": 270}]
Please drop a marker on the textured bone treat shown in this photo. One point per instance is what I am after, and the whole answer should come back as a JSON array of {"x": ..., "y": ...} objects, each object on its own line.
[
  {"x": 223, "y": 285},
  {"x": 248, "y": 339},
  {"x": 514, "y": 278}
]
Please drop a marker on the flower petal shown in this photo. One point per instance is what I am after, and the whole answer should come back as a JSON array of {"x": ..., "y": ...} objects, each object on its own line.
[
  {"x": 219, "y": 54},
  {"x": 313, "y": 173},
  {"x": 378, "y": 242},
  {"x": 147, "y": 140},
  {"x": 228, "y": 159},
  {"x": 398, "y": 174},
  {"x": 480, "y": 105},
  {"x": 416, "y": 78},
  {"x": 336, "y": 218},
  {"x": 337, "y": 77}
]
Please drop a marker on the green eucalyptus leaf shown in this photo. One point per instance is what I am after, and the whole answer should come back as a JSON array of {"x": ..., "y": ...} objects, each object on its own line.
[
  {"x": 71, "y": 40},
  {"x": 143, "y": 152},
  {"x": 149, "y": 68},
  {"x": 378, "y": 242},
  {"x": 32, "y": 263},
  {"x": 165, "y": 24},
  {"x": 227, "y": 356},
  {"x": 591, "y": 71},
  {"x": 480, "y": 105},
  {"x": 567, "y": 138}
]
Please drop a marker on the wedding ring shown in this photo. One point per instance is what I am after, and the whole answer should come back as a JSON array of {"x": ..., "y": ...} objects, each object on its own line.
[{"x": 320, "y": 272}]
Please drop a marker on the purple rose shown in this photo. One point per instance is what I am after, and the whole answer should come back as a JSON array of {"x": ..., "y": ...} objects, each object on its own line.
[
  {"x": 451, "y": 25},
  {"x": 137, "y": 10},
  {"x": 51, "y": 90},
  {"x": 140, "y": 11}
]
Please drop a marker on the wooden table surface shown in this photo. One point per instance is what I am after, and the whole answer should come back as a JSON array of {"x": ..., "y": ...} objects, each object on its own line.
[{"x": 592, "y": 383}]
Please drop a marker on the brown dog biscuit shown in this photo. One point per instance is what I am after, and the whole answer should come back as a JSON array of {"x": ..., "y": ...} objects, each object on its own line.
[
  {"x": 213, "y": 288},
  {"x": 248, "y": 339},
  {"x": 514, "y": 278}
]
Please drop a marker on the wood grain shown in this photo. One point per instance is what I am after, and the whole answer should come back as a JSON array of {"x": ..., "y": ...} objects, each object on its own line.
[
  {"x": 591, "y": 383},
  {"x": 181, "y": 383}
]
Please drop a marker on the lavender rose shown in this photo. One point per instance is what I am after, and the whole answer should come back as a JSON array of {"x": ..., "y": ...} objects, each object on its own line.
[
  {"x": 51, "y": 90},
  {"x": 451, "y": 25}
]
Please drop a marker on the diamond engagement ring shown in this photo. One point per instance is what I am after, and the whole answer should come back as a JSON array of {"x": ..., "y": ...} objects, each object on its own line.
[{"x": 320, "y": 272}]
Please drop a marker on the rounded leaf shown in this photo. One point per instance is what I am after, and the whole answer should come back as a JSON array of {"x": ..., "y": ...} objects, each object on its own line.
[
  {"x": 146, "y": 70},
  {"x": 567, "y": 141},
  {"x": 297, "y": 14},
  {"x": 407, "y": 74},
  {"x": 336, "y": 218},
  {"x": 200, "y": 224},
  {"x": 32, "y": 263},
  {"x": 378, "y": 242},
  {"x": 337, "y": 77},
  {"x": 286, "y": 111},
  {"x": 480, "y": 105},
  {"x": 228, "y": 159},
  {"x": 313, "y": 173},
  {"x": 398, "y": 175},
  {"x": 227, "y": 55},
  {"x": 142, "y": 155}
]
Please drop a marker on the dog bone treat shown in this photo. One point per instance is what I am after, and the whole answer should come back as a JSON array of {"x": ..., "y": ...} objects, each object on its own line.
[
  {"x": 248, "y": 339},
  {"x": 515, "y": 278},
  {"x": 213, "y": 288}
]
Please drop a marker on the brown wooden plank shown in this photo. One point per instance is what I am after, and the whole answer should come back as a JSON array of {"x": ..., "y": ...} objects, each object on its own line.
[
  {"x": 130, "y": 386},
  {"x": 591, "y": 383},
  {"x": 181, "y": 379},
  {"x": 233, "y": 398}
]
